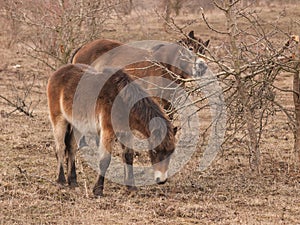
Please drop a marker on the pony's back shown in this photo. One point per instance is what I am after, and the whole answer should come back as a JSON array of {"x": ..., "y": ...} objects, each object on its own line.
[
  {"x": 89, "y": 52},
  {"x": 78, "y": 93}
]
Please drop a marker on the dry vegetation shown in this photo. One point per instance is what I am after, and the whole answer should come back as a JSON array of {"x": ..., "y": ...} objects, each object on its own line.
[{"x": 228, "y": 192}]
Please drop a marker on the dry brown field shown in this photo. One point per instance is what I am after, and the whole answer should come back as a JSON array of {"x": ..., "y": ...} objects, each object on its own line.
[{"x": 226, "y": 193}]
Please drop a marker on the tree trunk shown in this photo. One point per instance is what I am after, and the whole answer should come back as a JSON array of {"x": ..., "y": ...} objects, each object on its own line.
[
  {"x": 168, "y": 7},
  {"x": 254, "y": 151},
  {"x": 296, "y": 89},
  {"x": 253, "y": 145},
  {"x": 177, "y": 6}
]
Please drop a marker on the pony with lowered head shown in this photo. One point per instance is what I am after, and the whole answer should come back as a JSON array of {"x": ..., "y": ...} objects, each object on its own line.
[{"x": 81, "y": 99}]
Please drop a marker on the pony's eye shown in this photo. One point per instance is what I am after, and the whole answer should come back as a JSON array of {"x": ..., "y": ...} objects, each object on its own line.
[{"x": 191, "y": 48}]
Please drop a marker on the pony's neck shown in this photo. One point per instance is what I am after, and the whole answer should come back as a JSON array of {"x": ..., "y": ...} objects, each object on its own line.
[
  {"x": 159, "y": 124},
  {"x": 143, "y": 108}
]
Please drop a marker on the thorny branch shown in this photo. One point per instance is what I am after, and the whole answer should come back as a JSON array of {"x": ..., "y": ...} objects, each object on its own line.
[{"x": 248, "y": 66}]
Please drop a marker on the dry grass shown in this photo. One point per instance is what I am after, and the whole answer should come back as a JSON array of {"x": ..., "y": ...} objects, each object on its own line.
[{"x": 227, "y": 193}]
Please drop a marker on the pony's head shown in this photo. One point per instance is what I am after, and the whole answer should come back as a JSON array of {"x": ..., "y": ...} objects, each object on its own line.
[
  {"x": 192, "y": 43},
  {"x": 160, "y": 155}
]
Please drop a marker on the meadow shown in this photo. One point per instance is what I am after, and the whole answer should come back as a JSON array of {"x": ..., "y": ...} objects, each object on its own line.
[{"x": 228, "y": 192}]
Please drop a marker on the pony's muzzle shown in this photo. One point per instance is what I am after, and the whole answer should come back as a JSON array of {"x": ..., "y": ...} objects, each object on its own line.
[
  {"x": 158, "y": 181},
  {"x": 160, "y": 178},
  {"x": 199, "y": 68}
]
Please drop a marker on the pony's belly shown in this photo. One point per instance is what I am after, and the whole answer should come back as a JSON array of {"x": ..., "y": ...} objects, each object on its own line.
[
  {"x": 84, "y": 124},
  {"x": 86, "y": 127}
]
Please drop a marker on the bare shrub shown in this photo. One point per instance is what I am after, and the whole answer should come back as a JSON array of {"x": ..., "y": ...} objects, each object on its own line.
[
  {"x": 48, "y": 32},
  {"x": 248, "y": 61},
  {"x": 19, "y": 93},
  {"x": 53, "y": 29},
  {"x": 252, "y": 59}
]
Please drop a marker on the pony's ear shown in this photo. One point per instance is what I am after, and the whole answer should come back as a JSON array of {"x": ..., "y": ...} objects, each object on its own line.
[
  {"x": 206, "y": 43},
  {"x": 191, "y": 34},
  {"x": 175, "y": 129}
]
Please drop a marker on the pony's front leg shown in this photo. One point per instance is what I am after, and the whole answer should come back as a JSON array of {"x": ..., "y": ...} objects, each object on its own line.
[
  {"x": 105, "y": 158},
  {"x": 128, "y": 155}
]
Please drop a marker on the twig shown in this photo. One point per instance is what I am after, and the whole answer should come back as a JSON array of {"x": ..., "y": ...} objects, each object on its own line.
[{"x": 19, "y": 108}]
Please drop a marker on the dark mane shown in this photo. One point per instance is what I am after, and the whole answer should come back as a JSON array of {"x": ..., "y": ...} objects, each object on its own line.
[{"x": 143, "y": 108}]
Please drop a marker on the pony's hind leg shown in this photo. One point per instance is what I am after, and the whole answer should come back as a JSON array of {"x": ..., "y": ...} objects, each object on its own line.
[
  {"x": 71, "y": 148},
  {"x": 60, "y": 130}
]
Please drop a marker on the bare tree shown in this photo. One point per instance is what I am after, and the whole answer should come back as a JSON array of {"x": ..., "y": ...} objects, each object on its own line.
[
  {"x": 48, "y": 31},
  {"x": 53, "y": 29},
  {"x": 172, "y": 5},
  {"x": 250, "y": 60},
  {"x": 296, "y": 88},
  {"x": 296, "y": 95}
]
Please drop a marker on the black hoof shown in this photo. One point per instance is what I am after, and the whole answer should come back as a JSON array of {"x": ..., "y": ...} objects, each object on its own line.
[
  {"x": 98, "y": 191},
  {"x": 132, "y": 188},
  {"x": 158, "y": 181},
  {"x": 73, "y": 185},
  {"x": 61, "y": 182}
]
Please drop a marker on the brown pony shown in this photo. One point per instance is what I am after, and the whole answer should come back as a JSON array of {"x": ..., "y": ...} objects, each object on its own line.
[
  {"x": 70, "y": 103},
  {"x": 88, "y": 53},
  {"x": 137, "y": 62}
]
